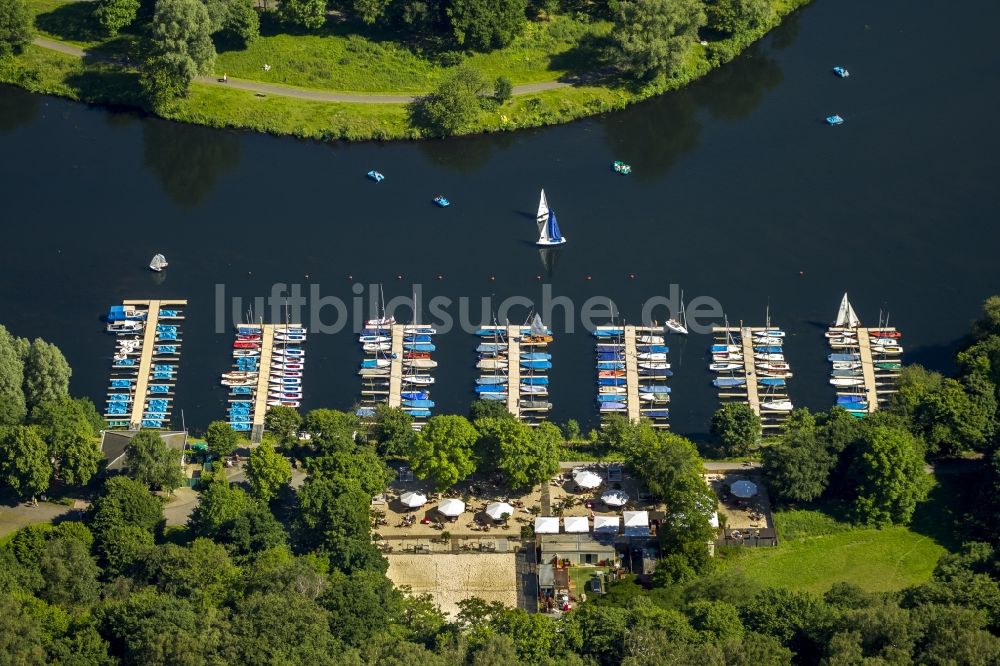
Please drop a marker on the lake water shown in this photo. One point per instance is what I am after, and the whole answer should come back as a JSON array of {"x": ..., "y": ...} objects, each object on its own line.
[{"x": 739, "y": 193}]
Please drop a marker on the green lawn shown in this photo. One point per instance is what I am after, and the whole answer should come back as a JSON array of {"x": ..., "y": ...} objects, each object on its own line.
[
  {"x": 815, "y": 551},
  {"x": 339, "y": 59}
]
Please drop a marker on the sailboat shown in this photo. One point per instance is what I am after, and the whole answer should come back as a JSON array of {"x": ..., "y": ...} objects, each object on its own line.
[
  {"x": 678, "y": 326},
  {"x": 548, "y": 227},
  {"x": 158, "y": 263},
  {"x": 846, "y": 317}
]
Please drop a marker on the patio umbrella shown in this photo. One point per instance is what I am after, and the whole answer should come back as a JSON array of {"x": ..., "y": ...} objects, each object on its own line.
[
  {"x": 614, "y": 497},
  {"x": 412, "y": 500},
  {"x": 451, "y": 507},
  {"x": 496, "y": 510},
  {"x": 743, "y": 489},
  {"x": 587, "y": 479}
]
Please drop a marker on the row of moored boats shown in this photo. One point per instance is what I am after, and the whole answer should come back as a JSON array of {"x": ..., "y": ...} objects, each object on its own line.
[
  {"x": 617, "y": 352},
  {"x": 765, "y": 373},
  {"x": 513, "y": 363}
]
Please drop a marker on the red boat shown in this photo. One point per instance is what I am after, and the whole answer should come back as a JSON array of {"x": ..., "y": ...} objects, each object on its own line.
[
  {"x": 247, "y": 337},
  {"x": 603, "y": 374},
  {"x": 246, "y": 344},
  {"x": 885, "y": 334},
  {"x": 414, "y": 354}
]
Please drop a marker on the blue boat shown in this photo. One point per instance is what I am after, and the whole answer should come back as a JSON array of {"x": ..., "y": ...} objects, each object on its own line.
[
  {"x": 613, "y": 406},
  {"x": 728, "y": 382},
  {"x": 535, "y": 381},
  {"x": 498, "y": 379},
  {"x": 441, "y": 201},
  {"x": 418, "y": 346},
  {"x": 365, "y": 411},
  {"x": 414, "y": 395},
  {"x": 657, "y": 413},
  {"x": 376, "y": 176},
  {"x": 608, "y": 332},
  {"x": 843, "y": 357},
  {"x": 841, "y": 72},
  {"x": 722, "y": 349},
  {"x": 610, "y": 365},
  {"x": 425, "y": 404},
  {"x": 655, "y": 373},
  {"x": 239, "y": 390},
  {"x": 652, "y": 349},
  {"x": 492, "y": 396},
  {"x": 491, "y": 388},
  {"x": 847, "y": 399},
  {"x": 769, "y": 349},
  {"x": 611, "y": 381},
  {"x": 608, "y": 397},
  {"x": 654, "y": 388},
  {"x": 536, "y": 356},
  {"x": 536, "y": 365},
  {"x": 771, "y": 381},
  {"x": 417, "y": 338},
  {"x": 373, "y": 363},
  {"x": 608, "y": 356},
  {"x": 417, "y": 412},
  {"x": 834, "y": 120}
]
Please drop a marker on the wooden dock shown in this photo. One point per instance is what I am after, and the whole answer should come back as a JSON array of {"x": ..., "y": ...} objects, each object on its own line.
[
  {"x": 149, "y": 344},
  {"x": 396, "y": 366},
  {"x": 263, "y": 380},
  {"x": 514, "y": 370},
  {"x": 868, "y": 368},
  {"x": 750, "y": 392},
  {"x": 631, "y": 374}
]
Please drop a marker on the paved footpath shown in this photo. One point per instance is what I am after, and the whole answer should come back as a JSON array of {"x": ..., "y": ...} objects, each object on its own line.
[{"x": 279, "y": 90}]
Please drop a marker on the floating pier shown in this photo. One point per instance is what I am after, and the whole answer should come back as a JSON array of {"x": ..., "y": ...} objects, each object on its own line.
[
  {"x": 632, "y": 373},
  {"x": 514, "y": 363},
  {"x": 268, "y": 363},
  {"x": 750, "y": 367},
  {"x": 866, "y": 362},
  {"x": 395, "y": 369},
  {"x": 144, "y": 368}
]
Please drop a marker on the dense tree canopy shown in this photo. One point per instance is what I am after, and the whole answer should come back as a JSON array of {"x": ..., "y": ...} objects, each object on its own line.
[
  {"x": 114, "y": 15},
  {"x": 484, "y": 25},
  {"x": 737, "y": 428},
  {"x": 443, "y": 452},
  {"x": 16, "y": 29},
  {"x": 888, "y": 468},
  {"x": 268, "y": 472},
  {"x": 455, "y": 104},
  {"x": 523, "y": 455},
  {"x": 24, "y": 462},
  {"x": 653, "y": 36},
  {"x": 152, "y": 462}
]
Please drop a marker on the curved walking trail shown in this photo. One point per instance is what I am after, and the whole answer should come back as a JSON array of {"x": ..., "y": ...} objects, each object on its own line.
[{"x": 290, "y": 91}]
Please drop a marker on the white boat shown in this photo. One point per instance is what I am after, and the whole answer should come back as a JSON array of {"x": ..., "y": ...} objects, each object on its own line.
[
  {"x": 284, "y": 381},
  {"x": 784, "y": 374},
  {"x": 652, "y": 356},
  {"x": 125, "y": 326},
  {"x": 377, "y": 363},
  {"x": 536, "y": 390},
  {"x": 377, "y": 346},
  {"x": 654, "y": 365},
  {"x": 889, "y": 350},
  {"x": 612, "y": 390},
  {"x": 422, "y": 363},
  {"x": 649, "y": 339},
  {"x": 239, "y": 382},
  {"x": 768, "y": 340},
  {"x": 834, "y": 332},
  {"x": 237, "y": 353},
  {"x": 846, "y": 365},
  {"x": 724, "y": 367},
  {"x": 847, "y": 381},
  {"x": 492, "y": 364},
  {"x": 158, "y": 263},
  {"x": 419, "y": 330},
  {"x": 774, "y": 367},
  {"x": 778, "y": 406},
  {"x": 374, "y": 338},
  {"x": 373, "y": 372},
  {"x": 422, "y": 380},
  {"x": 678, "y": 326},
  {"x": 769, "y": 357},
  {"x": 727, "y": 356},
  {"x": 846, "y": 317},
  {"x": 381, "y": 322},
  {"x": 769, "y": 333},
  {"x": 548, "y": 227}
]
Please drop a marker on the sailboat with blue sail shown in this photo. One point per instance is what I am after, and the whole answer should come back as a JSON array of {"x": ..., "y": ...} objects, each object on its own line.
[{"x": 548, "y": 227}]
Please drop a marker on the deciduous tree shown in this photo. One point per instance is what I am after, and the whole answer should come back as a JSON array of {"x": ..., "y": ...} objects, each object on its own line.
[
  {"x": 455, "y": 103},
  {"x": 443, "y": 451},
  {"x": 16, "y": 28},
  {"x": 222, "y": 439},
  {"x": 46, "y": 374},
  {"x": 12, "y": 406},
  {"x": 305, "y": 13},
  {"x": 737, "y": 428},
  {"x": 268, "y": 472},
  {"x": 887, "y": 468},
  {"x": 152, "y": 462},
  {"x": 24, "y": 461},
  {"x": 484, "y": 25},
  {"x": 392, "y": 430},
  {"x": 68, "y": 428},
  {"x": 738, "y": 16},
  {"x": 653, "y": 36},
  {"x": 284, "y": 422},
  {"x": 113, "y": 15}
]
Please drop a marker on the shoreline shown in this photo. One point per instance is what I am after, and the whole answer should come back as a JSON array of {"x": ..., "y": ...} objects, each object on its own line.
[{"x": 311, "y": 114}]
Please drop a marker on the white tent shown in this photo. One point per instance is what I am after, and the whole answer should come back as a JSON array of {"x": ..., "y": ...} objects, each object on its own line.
[
  {"x": 587, "y": 479},
  {"x": 636, "y": 523},
  {"x": 546, "y": 525},
  {"x": 413, "y": 499},
  {"x": 451, "y": 507},
  {"x": 744, "y": 488},
  {"x": 606, "y": 524},
  {"x": 576, "y": 524},
  {"x": 614, "y": 497},
  {"x": 496, "y": 510}
]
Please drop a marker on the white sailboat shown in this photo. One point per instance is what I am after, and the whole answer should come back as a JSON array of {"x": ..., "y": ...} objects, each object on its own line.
[
  {"x": 678, "y": 326},
  {"x": 158, "y": 263},
  {"x": 548, "y": 227},
  {"x": 846, "y": 317}
]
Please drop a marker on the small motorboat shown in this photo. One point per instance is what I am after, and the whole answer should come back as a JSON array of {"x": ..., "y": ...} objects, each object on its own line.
[
  {"x": 441, "y": 201},
  {"x": 778, "y": 406},
  {"x": 723, "y": 367},
  {"x": 621, "y": 168},
  {"x": 675, "y": 326},
  {"x": 841, "y": 72},
  {"x": 376, "y": 176},
  {"x": 834, "y": 120}
]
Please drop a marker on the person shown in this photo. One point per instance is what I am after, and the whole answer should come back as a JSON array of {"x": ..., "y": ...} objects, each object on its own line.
[
  {"x": 267, "y": 68},
  {"x": 225, "y": 77}
]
